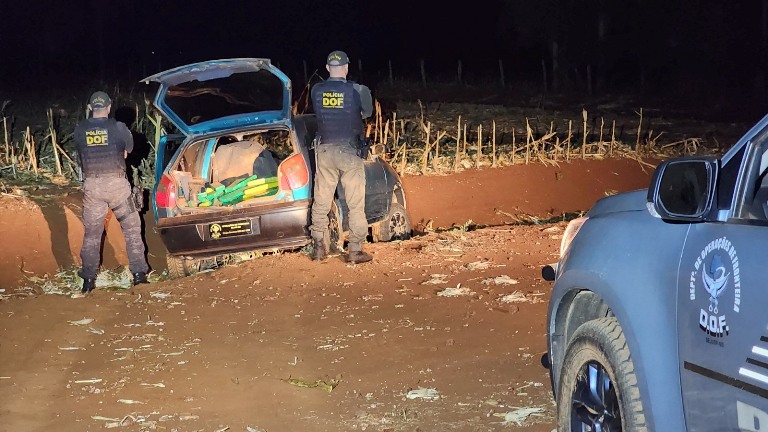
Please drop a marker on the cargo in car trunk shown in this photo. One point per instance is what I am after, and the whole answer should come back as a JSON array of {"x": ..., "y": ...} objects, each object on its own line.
[{"x": 231, "y": 171}]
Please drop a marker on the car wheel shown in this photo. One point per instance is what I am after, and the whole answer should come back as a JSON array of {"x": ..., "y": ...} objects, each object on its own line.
[
  {"x": 396, "y": 225},
  {"x": 598, "y": 387},
  {"x": 179, "y": 267},
  {"x": 335, "y": 231},
  {"x": 175, "y": 266}
]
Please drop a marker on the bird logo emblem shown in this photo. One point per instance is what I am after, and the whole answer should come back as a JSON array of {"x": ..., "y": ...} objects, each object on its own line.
[{"x": 715, "y": 281}]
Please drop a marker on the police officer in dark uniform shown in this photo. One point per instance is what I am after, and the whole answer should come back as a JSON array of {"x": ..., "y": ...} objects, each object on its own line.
[
  {"x": 102, "y": 145},
  {"x": 340, "y": 107}
]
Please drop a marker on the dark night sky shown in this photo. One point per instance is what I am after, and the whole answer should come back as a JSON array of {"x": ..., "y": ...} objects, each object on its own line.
[
  {"x": 127, "y": 35},
  {"x": 660, "y": 43}
]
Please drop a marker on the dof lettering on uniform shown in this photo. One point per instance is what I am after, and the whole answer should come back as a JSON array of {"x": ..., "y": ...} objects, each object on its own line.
[
  {"x": 333, "y": 100},
  {"x": 96, "y": 137}
]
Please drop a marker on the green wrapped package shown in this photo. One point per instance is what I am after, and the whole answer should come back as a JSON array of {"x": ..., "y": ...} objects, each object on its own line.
[
  {"x": 240, "y": 184},
  {"x": 261, "y": 181},
  {"x": 211, "y": 193},
  {"x": 233, "y": 197},
  {"x": 273, "y": 189},
  {"x": 259, "y": 190}
]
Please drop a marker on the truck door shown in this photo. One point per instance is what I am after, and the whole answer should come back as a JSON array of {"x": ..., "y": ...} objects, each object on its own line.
[{"x": 722, "y": 303}]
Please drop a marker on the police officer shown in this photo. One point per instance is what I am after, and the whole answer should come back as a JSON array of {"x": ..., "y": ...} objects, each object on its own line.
[
  {"x": 340, "y": 107},
  {"x": 102, "y": 146}
]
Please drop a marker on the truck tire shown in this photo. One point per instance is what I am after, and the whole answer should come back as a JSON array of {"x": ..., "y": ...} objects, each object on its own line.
[
  {"x": 598, "y": 387},
  {"x": 396, "y": 225}
]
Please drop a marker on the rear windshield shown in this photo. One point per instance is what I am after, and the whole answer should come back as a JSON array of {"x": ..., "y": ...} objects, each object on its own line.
[{"x": 199, "y": 101}]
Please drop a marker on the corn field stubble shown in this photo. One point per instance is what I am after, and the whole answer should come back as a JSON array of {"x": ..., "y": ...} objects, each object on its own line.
[{"x": 416, "y": 138}]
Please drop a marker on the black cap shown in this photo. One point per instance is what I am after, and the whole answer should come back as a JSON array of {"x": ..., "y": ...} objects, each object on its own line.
[
  {"x": 99, "y": 100},
  {"x": 337, "y": 58}
]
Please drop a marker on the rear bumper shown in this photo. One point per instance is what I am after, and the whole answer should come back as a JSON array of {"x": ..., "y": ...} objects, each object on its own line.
[{"x": 273, "y": 226}]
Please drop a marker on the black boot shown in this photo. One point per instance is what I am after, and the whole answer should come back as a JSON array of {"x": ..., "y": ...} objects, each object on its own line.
[
  {"x": 358, "y": 257},
  {"x": 140, "y": 278},
  {"x": 88, "y": 285},
  {"x": 318, "y": 250}
]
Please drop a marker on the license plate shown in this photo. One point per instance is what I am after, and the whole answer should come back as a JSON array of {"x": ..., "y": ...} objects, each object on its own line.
[{"x": 231, "y": 229}]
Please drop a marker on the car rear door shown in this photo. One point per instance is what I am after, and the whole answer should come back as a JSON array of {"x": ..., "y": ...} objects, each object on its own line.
[
  {"x": 722, "y": 298},
  {"x": 377, "y": 196}
]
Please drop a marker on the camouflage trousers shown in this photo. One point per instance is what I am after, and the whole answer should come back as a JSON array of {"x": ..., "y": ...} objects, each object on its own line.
[
  {"x": 110, "y": 193},
  {"x": 336, "y": 163}
]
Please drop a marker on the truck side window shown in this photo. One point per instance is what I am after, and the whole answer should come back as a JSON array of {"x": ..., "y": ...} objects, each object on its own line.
[
  {"x": 753, "y": 192},
  {"x": 759, "y": 203},
  {"x": 726, "y": 187},
  {"x": 756, "y": 193}
]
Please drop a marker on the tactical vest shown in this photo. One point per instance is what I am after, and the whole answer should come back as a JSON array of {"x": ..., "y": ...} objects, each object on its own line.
[
  {"x": 337, "y": 106},
  {"x": 100, "y": 144}
]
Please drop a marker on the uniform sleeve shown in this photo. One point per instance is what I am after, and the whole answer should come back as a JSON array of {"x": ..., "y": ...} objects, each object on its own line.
[
  {"x": 313, "y": 97},
  {"x": 79, "y": 138},
  {"x": 126, "y": 135},
  {"x": 365, "y": 99}
]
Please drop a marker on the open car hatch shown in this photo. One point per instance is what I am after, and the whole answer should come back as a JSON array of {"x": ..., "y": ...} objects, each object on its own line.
[{"x": 218, "y": 95}]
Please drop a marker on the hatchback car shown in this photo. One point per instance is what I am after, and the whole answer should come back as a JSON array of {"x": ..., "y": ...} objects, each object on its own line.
[
  {"x": 238, "y": 177},
  {"x": 657, "y": 319}
]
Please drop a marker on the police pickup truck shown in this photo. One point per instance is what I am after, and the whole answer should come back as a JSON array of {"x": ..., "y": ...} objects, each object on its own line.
[{"x": 657, "y": 319}]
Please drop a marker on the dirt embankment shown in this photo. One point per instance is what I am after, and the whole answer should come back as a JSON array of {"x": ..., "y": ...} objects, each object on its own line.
[{"x": 43, "y": 232}]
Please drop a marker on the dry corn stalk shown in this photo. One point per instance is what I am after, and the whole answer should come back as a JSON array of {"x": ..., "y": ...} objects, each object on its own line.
[
  {"x": 458, "y": 142},
  {"x": 5, "y": 133},
  {"x": 427, "y": 147},
  {"x": 29, "y": 144},
  {"x": 528, "y": 140},
  {"x": 584, "y": 137},
  {"x": 403, "y": 161},
  {"x": 639, "y": 129},
  {"x": 479, "y": 145},
  {"x": 493, "y": 143},
  {"x": 52, "y": 132}
]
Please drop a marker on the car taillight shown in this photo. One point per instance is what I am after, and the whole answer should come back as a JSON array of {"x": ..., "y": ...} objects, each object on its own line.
[
  {"x": 292, "y": 173},
  {"x": 165, "y": 195},
  {"x": 570, "y": 232}
]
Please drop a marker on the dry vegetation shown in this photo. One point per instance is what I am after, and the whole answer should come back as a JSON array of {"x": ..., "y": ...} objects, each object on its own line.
[
  {"x": 493, "y": 136},
  {"x": 416, "y": 139}
]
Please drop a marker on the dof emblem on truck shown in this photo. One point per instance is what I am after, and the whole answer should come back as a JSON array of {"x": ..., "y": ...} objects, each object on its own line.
[{"x": 717, "y": 271}]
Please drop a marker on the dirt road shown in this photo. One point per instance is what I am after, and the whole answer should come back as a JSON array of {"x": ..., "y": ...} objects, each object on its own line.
[{"x": 441, "y": 332}]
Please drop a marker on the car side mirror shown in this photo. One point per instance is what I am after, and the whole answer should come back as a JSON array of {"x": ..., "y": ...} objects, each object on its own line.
[{"x": 683, "y": 189}]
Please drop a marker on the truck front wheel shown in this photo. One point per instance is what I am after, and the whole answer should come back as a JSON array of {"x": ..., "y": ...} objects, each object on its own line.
[{"x": 598, "y": 388}]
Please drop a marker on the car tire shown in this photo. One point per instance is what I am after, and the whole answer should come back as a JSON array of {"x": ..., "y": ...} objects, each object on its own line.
[
  {"x": 598, "y": 387},
  {"x": 175, "y": 266},
  {"x": 396, "y": 225},
  {"x": 179, "y": 267}
]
